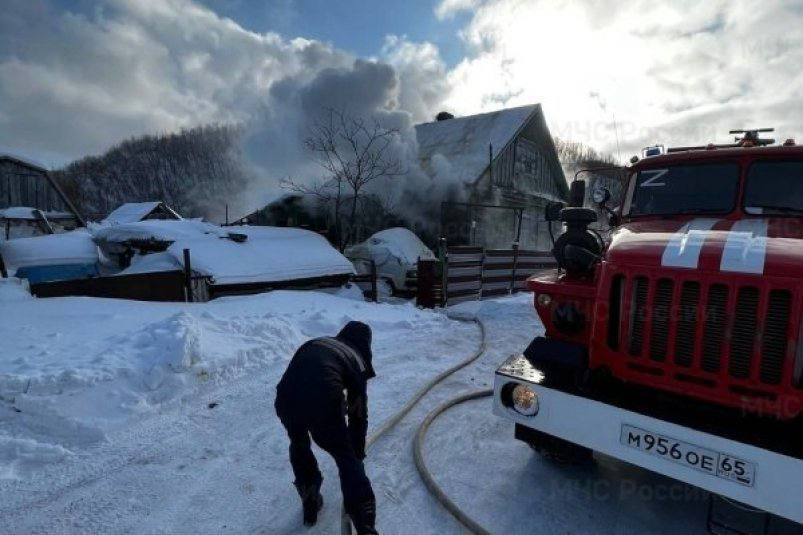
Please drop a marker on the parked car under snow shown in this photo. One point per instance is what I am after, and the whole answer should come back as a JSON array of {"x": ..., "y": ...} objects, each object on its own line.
[{"x": 395, "y": 251}]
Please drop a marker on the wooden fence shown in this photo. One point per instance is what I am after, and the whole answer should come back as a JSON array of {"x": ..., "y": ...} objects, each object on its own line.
[
  {"x": 471, "y": 273},
  {"x": 163, "y": 286}
]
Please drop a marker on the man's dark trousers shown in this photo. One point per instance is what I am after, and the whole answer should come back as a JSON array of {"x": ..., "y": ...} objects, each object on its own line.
[{"x": 329, "y": 431}]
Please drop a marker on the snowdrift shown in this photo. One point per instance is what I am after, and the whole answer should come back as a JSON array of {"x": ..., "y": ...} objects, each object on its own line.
[{"x": 73, "y": 370}]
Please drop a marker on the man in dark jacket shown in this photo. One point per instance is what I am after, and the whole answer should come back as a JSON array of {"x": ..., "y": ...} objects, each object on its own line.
[{"x": 323, "y": 394}]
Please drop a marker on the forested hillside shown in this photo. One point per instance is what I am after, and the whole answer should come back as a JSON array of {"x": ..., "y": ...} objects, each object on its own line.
[
  {"x": 574, "y": 156},
  {"x": 196, "y": 171}
]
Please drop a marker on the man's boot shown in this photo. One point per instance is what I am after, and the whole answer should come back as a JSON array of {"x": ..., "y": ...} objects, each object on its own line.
[
  {"x": 311, "y": 501},
  {"x": 364, "y": 518}
]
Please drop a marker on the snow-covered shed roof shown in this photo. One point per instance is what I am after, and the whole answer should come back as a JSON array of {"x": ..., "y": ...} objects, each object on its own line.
[
  {"x": 132, "y": 212},
  {"x": 157, "y": 229},
  {"x": 74, "y": 247},
  {"x": 26, "y": 212},
  {"x": 269, "y": 254},
  {"x": 464, "y": 141},
  {"x": 19, "y": 212}
]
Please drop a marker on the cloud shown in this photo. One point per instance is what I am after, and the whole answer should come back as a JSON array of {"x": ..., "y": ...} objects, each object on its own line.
[
  {"x": 74, "y": 83},
  {"x": 680, "y": 73},
  {"x": 447, "y": 9}
]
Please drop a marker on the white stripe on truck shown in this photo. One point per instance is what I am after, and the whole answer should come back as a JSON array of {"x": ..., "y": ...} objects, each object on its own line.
[
  {"x": 683, "y": 249},
  {"x": 746, "y": 247}
]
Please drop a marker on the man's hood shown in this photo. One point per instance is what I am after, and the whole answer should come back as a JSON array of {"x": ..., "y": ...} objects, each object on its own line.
[
  {"x": 759, "y": 246},
  {"x": 358, "y": 335}
]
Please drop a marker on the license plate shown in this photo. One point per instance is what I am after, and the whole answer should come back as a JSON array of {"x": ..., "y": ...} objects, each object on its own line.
[{"x": 696, "y": 457}]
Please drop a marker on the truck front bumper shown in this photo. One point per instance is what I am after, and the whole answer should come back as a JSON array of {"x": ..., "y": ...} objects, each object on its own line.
[{"x": 775, "y": 479}]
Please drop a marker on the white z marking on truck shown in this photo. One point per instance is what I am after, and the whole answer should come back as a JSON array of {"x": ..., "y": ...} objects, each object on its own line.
[
  {"x": 683, "y": 249},
  {"x": 652, "y": 182},
  {"x": 746, "y": 247}
]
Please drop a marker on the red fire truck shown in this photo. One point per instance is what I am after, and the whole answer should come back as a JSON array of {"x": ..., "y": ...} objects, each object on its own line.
[{"x": 676, "y": 343}]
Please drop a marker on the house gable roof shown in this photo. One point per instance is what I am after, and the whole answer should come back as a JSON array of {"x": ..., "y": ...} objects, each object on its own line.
[
  {"x": 43, "y": 170},
  {"x": 468, "y": 143},
  {"x": 19, "y": 160},
  {"x": 464, "y": 141},
  {"x": 132, "y": 212}
]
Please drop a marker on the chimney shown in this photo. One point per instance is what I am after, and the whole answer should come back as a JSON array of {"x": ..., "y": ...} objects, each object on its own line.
[{"x": 444, "y": 116}]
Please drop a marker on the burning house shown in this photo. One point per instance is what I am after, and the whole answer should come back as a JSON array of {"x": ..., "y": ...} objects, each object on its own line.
[{"x": 509, "y": 166}]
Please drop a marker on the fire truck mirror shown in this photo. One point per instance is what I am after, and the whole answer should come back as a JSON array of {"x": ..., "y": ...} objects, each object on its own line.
[{"x": 552, "y": 211}]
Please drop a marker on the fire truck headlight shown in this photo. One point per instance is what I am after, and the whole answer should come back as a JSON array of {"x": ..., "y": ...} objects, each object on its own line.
[
  {"x": 544, "y": 299},
  {"x": 521, "y": 398}
]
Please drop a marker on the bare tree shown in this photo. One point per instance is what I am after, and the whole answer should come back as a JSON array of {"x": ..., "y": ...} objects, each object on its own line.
[{"x": 353, "y": 153}]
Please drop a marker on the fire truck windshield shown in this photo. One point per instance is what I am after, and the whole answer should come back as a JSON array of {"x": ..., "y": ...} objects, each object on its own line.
[
  {"x": 774, "y": 188},
  {"x": 685, "y": 189}
]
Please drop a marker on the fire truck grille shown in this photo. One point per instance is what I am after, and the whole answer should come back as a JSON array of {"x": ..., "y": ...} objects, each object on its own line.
[
  {"x": 662, "y": 308},
  {"x": 775, "y": 341},
  {"x": 714, "y": 331},
  {"x": 638, "y": 314},
  {"x": 687, "y": 323},
  {"x": 744, "y": 332},
  {"x": 718, "y": 329}
]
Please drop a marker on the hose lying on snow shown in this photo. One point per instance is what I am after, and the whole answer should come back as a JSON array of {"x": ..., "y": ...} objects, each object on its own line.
[
  {"x": 345, "y": 522},
  {"x": 429, "y": 481}
]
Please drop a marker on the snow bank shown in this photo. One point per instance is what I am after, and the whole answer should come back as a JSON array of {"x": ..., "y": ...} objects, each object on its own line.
[
  {"x": 72, "y": 370},
  {"x": 21, "y": 456},
  {"x": 74, "y": 247},
  {"x": 13, "y": 289}
]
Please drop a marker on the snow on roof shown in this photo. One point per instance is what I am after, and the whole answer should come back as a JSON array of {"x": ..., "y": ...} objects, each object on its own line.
[
  {"x": 18, "y": 212},
  {"x": 269, "y": 254},
  {"x": 402, "y": 243},
  {"x": 158, "y": 229},
  {"x": 464, "y": 141},
  {"x": 132, "y": 212},
  {"x": 25, "y": 161},
  {"x": 74, "y": 247},
  {"x": 26, "y": 212}
]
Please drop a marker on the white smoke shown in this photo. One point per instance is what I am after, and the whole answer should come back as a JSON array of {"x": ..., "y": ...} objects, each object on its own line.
[{"x": 75, "y": 82}]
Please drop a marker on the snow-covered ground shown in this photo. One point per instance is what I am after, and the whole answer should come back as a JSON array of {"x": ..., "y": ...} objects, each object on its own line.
[{"x": 129, "y": 417}]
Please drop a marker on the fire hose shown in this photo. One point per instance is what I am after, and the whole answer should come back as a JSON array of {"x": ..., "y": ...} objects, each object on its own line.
[{"x": 426, "y": 476}]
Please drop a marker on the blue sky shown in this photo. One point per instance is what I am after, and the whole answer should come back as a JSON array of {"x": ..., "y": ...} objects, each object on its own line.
[{"x": 356, "y": 26}]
